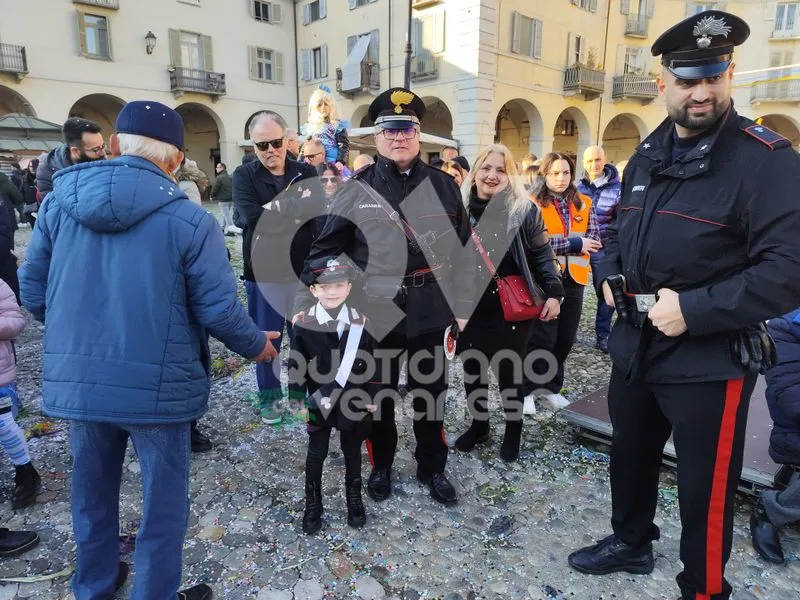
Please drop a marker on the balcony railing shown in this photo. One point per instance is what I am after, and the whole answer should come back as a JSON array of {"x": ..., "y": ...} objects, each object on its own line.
[
  {"x": 785, "y": 34},
  {"x": 113, "y": 4},
  {"x": 370, "y": 79},
  {"x": 634, "y": 86},
  {"x": 424, "y": 66},
  {"x": 182, "y": 79},
  {"x": 636, "y": 26},
  {"x": 13, "y": 59},
  {"x": 778, "y": 91},
  {"x": 584, "y": 80}
]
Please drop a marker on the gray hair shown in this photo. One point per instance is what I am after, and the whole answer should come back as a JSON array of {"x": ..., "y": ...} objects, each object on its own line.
[
  {"x": 291, "y": 134},
  {"x": 155, "y": 151},
  {"x": 268, "y": 115}
]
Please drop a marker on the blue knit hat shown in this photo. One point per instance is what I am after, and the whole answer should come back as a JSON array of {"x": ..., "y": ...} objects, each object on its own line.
[{"x": 153, "y": 120}]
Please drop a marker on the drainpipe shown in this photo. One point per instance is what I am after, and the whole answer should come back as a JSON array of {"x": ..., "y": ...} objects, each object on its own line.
[
  {"x": 296, "y": 66},
  {"x": 605, "y": 66},
  {"x": 407, "y": 80}
]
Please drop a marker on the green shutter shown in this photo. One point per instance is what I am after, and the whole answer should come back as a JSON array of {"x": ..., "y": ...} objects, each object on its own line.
[
  {"x": 208, "y": 54},
  {"x": 253, "y": 52},
  {"x": 108, "y": 39},
  {"x": 175, "y": 47},
  {"x": 278, "y": 64},
  {"x": 81, "y": 33}
]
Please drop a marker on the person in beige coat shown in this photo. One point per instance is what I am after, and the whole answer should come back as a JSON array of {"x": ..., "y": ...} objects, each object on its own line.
[{"x": 26, "y": 479}]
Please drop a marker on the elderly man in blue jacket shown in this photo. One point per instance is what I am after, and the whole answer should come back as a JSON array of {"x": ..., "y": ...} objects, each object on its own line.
[
  {"x": 602, "y": 184},
  {"x": 130, "y": 278}
]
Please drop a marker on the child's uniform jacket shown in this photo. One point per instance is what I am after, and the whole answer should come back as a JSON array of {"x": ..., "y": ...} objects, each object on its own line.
[{"x": 325, "y": 370}]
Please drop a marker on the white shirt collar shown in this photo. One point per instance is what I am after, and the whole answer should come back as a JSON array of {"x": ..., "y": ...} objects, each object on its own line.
[
  {"x": 602, "y": 180},
  {"x": 323, "y": 316}
]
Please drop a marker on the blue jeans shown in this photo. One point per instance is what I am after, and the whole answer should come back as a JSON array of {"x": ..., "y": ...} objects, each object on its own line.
[
  {"x": 270, "y": 306},
  {"x": 602, "y": 319},
  {"x": 98, "y": 451}
]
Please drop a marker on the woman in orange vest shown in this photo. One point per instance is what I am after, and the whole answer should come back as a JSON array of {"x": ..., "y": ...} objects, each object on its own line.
[{"x": 571, "y": 222}]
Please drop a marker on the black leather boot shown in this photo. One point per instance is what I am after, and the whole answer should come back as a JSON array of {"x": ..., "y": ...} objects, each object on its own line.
[
  {"x": 478, "y": 433},
  {"x": 27, "y": 482},
  {"x": 766, "y": 540},
  {"x": 312, "y": 516},
  {"x": 356, "y": 515},
  {"x": 509, "y": 450}
]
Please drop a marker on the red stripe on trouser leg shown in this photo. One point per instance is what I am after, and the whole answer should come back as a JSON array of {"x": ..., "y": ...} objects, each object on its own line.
[
  {"x": 719, "y": 489},
  {"x": 444, "y": 439},
  {"x": 368, "y": 444},
  {"x": 700, "y": 596}
]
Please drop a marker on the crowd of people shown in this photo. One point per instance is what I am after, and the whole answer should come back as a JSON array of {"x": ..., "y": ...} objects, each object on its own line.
[{"x": 386, "y": 264}]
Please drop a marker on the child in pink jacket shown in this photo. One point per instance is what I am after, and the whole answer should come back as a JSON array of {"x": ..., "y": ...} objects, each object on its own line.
[{"x": 27, "y": 480}]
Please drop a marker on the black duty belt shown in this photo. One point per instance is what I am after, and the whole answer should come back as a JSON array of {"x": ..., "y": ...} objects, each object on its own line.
[{"x": 420, "y": 277}]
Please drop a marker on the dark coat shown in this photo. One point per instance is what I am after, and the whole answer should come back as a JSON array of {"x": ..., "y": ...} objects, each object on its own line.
[
  {"x": 49, "y": 165},
  {"x": 8, "y": 262},
  {"x": 292, "y": 226},
  {"x": 720, "y": 226},
  {"x": 783, "y": 390},
  {"x": 320, "y": 351},
  {"x": 430, "y": 202},
  {"x": 11, "y": 196},
  {"x": 222, "y": 190}
]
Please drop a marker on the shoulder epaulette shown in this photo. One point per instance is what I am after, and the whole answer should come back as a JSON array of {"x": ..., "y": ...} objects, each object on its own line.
[
  {"x": 356, "y": 317},
  {"x": 766, "y": 136}
]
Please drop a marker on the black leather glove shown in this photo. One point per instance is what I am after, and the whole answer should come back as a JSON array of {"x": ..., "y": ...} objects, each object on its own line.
[{"x": 754, "y": 348}]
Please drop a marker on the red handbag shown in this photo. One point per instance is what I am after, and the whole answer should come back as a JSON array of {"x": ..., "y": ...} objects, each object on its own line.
[{"x": 515, "y": 298}]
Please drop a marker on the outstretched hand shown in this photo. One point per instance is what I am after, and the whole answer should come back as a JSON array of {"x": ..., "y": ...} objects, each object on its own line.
[{"x": 269, "y": 352}]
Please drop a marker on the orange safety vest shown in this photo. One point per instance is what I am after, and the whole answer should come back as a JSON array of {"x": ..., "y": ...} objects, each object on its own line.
[{"x": 578, "y": 224}]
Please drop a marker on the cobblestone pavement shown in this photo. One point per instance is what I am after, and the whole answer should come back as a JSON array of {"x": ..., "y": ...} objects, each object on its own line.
[{"x": 507, "y": 538}]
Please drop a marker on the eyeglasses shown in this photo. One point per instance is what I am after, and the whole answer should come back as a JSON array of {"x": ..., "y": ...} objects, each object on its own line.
[
  {"x": 560, "y": 173},
  {"x": 394, "y": 134},
  {"x": 330, "y": 179},
  {"x": 96, "y": 149},
  {"x": 264, "y": 146},
  {"x": 311, "y": 156}
]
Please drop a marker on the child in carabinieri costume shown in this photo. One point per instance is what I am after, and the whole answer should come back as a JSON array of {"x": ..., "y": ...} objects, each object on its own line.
[{"x": 329, "y": 359}]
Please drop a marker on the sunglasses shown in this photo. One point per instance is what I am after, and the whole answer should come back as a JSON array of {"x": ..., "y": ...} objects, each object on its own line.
[
  {"x": 330, "y": 179},
  {"x": 264, "y": 146}
]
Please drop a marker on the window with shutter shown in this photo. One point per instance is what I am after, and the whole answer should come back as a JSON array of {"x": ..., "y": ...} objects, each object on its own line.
[
  {"x": 316, "y": 10},
  {"x": 516, "y": 24},
  {"x": 324, "y": 61},
  {"x": 274, "y": 12},
  {"x": 208, "y": 55},
  {"x": 278, "y": 67},
  {"x": 374, "y": 49},
  {"x": 94, "y": 36},
  {"x": 306, "y": 14},
  {"x": 526, "y": 36},
  {"x": 416, "y": 37},
  {"x": 268, "y": 12},
  {"x": 785, "y": 19},
  {"x": 323, "y": 8},
  {"x": 306, "y": 64},
  {"x": 538, "y": 26}
]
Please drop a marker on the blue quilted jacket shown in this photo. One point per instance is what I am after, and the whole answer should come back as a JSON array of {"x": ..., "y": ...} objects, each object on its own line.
[
  {"x": 130, "y": 277},
  {"x": 605, "y": 198},
  {"x": 783, "y": 390}
]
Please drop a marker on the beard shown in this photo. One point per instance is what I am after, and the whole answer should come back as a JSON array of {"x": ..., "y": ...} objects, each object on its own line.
[
  {"x": 84, "y": 158},
  {"x": 682, "y": 116}
]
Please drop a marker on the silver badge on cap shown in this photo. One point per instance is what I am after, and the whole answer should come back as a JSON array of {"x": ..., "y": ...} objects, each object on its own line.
[
  {"x": 332, "y": 264},
  {"x": 708, "y": 27}
]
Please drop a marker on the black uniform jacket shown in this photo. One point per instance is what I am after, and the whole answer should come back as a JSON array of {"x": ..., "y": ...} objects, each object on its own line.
[
  {"x": 292, "y": 226},
  {"x": 429, "y": 201},
  {"x": 721, "y": 226},
  {"x": 316, "y": 352}
]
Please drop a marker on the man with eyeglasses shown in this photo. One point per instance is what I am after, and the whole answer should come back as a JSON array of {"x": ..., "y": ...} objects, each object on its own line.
[
  {"x": 706, "y": 238},
  {"x": 314, "y": 152},
  {"x": 83, "y": 142},
  {"x": 262, "y": 199},
  {"x": 409, "y": 211}
]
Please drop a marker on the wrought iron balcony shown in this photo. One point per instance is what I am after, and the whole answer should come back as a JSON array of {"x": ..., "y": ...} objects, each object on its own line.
[
  {"x": 636, "y": 26},
  {"x": 370, "y": 79},
  {"x": 183, "y": 80},
  {"x": 584, "y": 80},
  {"x": 778, "y": 91},
  {"x": 112, "y": 4},
  {"x": 424, "y": 66},
  {"x": 634, "y": 86},
  {"x": 13, "y": 59}
]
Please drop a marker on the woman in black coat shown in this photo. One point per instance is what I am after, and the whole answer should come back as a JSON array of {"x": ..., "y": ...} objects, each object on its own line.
[{"x": 501, "y": 211}]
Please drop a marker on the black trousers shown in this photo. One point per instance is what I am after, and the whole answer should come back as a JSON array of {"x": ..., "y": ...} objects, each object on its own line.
[
  {"x": 501, "y": 347},
  {"x": 557, "y": 336},
  {"x": 427, "y": 386},
  {"x": 707, "y": 422},
  {"x": 318, "y": 443}
]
